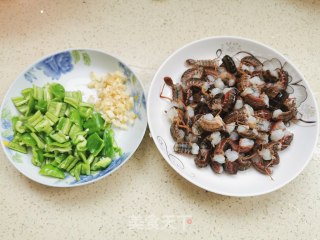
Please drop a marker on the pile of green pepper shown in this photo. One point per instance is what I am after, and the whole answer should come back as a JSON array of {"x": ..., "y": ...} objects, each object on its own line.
[{"x": 64, "y": 133}]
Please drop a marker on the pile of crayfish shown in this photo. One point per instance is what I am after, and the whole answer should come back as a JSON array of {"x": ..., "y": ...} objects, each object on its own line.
[{"x": 231, "y": 113}]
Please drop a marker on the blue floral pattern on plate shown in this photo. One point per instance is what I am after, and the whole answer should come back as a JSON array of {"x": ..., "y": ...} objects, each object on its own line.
[
  {"x": 138, "y": 96},
  {"x": 30, "y": 76},
  {"x": 126, "y": 71},
  {"x": 56, "y": 65},
  {"x": 6, "y": 124}
]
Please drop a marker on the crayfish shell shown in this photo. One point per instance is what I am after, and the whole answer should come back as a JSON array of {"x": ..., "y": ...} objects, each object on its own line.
[
  {"x": 229, "y": 99},
  {"x": 231, "y": 167},
  {"x": 256, "y": 102},
  {"x": 211, "y": 124},
  {"x": 203, "y": 157},
  {"x": 176, "y": 133},
  {"x": 216, "y": 167}
]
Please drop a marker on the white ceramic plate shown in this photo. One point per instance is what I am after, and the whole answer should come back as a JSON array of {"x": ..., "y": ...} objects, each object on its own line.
[
  {"x": 244, "y": 183},
  {"x": 72, "y": 69}
]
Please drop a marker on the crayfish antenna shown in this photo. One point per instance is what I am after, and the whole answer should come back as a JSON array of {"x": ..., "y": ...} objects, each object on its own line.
[{"x": 161, "y": 96}]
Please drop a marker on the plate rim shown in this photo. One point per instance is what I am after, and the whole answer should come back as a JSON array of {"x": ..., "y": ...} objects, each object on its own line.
[
  {"x": 21, "y": 74},
  {"x": 226, "y": 193}
]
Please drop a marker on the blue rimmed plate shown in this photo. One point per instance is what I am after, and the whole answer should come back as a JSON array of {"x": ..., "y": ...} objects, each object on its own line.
[{"x": 72, "y": 69}]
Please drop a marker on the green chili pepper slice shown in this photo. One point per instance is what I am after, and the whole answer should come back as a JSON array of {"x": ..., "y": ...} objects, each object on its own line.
[
  {"x": 94, "y": 144},
  {"x": 52, "y": 171}
]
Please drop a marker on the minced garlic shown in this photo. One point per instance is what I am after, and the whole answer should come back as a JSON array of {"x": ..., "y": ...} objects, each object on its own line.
[{"x": 113, "y": 102}]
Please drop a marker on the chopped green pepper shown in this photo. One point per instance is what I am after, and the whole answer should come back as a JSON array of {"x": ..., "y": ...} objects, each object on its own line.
[
  {"x": 75, "y": 117},
  {"x": 30, "y": 128},
  {"x": 52, "y": 117},
  {"x": 52, "y": 171},
  {"x": 37, "y": 92},
  {"x": 31, "y": 105},
  {"x": 35, "y": 119},
  {"x": 17, "y": 147},
  {"x": 60, "y": 147},
  {"x": 48, "y": 139},
  {"x": 90, "y": 159},
  {"x": 28, "y": 140},
  {"x": 101, "y": 164},
  {"x": 66, "y": 162},
  {"x": 55, "y": 108},
  {"x": 23, "y": 109},
  {"x": 58, "y": 159},
  {"x": 27, "y": 92},
  {"x": 19, "y": 127},
  {"x": 64, "y": 133},
  {"x": 108, "y": 143},
  {"x": 85, "y": 168},
  {"x": 47, "y": 93},
  {"x": 82, "y": 155},
  {"x": 77, "y": 171},
  {"x": 87, "y": 105},
  {"x": 51, "y": 123},
  {"x": 75, "y": 131},
  {"x": 39, "y": 141},
  {"x": 59, "y": 137},
  {"x": 37, "y": 157},
  {"x": 19, "y": 101},
  {"x": 73, "y": 98},
  {"x": 64, "y": 125},
  {"x": 41, "y": 105},
  {"x": 85, "y": 112},
  {"x": 95, "y": 123},
  {"x": 72, "y": 164},
  {"x": 49, "y": 155},
  {"x": 94, "y": 144},
  {"x": 43, "y": 126},
  {"x": 82, "y": 146},
  {"x": 57, "y": 91}
]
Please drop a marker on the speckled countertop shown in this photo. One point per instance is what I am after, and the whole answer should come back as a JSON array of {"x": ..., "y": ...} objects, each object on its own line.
[{"x": 146, "y": 199}]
